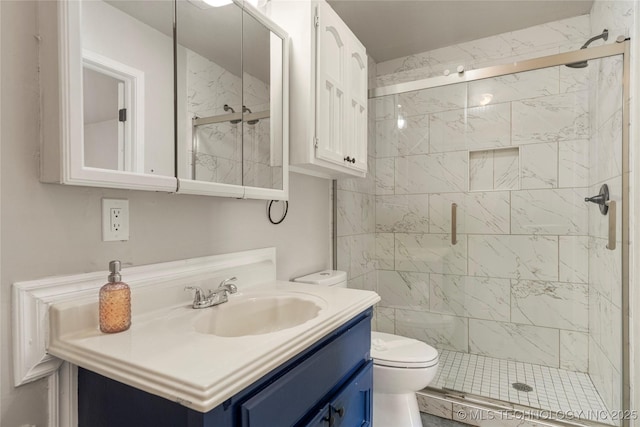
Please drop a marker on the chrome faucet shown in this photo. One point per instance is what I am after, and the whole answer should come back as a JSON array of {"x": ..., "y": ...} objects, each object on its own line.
[{"x": 214, "y": 297}]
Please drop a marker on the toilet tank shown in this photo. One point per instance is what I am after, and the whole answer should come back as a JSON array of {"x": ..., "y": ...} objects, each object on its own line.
[{"x": 325, "y": 278}]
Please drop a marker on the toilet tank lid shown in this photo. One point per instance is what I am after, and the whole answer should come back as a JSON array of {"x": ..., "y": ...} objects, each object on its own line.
[
  {"x": 395, "y": 350},
  {"x": 325, "y": 278}
]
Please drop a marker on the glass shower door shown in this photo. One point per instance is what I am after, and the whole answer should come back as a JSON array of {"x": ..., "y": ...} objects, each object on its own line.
[{"x": 521, "y": 295}]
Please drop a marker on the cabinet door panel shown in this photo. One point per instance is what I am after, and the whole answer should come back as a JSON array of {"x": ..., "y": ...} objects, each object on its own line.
[
  {"x": 287, "y": 401},
  {"x": 330, "y": 108},
  {"x": 354, "y": 401},
  {"x": 357, "y": 123}
]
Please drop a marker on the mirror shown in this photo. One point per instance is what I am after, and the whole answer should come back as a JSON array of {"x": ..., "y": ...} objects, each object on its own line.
[
  {"x": 127, "y": 86},
  {"x": 230, "y": 73},
  {"x": 166, "y": 96}
]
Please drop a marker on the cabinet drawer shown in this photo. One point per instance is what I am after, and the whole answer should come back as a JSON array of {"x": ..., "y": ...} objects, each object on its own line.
[{"x": 288, "y": 399}]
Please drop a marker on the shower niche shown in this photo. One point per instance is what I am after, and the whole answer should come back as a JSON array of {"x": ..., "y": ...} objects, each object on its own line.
[{"x": 497, "y": 169}]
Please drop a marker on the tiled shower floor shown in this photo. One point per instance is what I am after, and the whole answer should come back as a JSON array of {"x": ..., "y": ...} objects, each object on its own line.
[{"x": 554, "y": 390}]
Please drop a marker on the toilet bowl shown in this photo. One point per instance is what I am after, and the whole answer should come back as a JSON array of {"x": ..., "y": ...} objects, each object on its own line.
[{"x": 401, "y": 366}]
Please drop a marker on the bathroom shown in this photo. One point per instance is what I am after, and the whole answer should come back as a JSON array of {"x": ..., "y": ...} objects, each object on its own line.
[{"x": 51, "y": 230}]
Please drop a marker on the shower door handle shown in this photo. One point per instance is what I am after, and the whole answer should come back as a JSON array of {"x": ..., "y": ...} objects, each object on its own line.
[
  {"x": 454, "y": 225},
  {"x": 611, "y": 244}
]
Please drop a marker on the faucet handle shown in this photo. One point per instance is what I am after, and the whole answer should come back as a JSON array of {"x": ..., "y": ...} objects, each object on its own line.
[
  {"x": 199, "y": 296},
  {"x": 230, "y": 287}
]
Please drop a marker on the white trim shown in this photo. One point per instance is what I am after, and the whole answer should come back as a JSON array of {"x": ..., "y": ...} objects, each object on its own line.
[
  {"x": 68, "y": 167},
  {"x": 134, "y": 102}
]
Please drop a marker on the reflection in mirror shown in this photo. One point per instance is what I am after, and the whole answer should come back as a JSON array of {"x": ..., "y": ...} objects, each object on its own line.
[
  {"x": 104, "y": 137},
  {"x": 227, "y": 62},
  {"x": 210, "y": 92},
  {"x": 127, "y": 50},
  {"x": 262, "y": 146}
]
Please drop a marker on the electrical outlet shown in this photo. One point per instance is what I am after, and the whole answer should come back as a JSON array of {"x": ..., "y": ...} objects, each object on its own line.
[{"x": 115, "y": 220}]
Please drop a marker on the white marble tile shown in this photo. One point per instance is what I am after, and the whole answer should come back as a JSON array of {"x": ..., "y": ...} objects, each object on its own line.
[
  {"x": 402, "y": 289},
  {"x": 514, "y": 87},
  {"x": 605, "y": 270},
  {"x": 361, "y": 185},
  {"x": 478, "y": 212},
  {"x": 574, "y": 259},
  {"x": 514, "y": 342},
  {"x": 413, "y": 135},
  {"x": 573, "y": 163},
  {"x": 550, "y": 304},
  {"x": 477, "y": 297},
  {"x": 438, "y": 330},
  {"x": 606, "y": 150},
  {"x": 385, "y": 107},
  {"x": 433, "y": 405},
  {"x": 517, "y": 257},
  {"x": 604, "y": 376},
  {"x": 487, "y": 47},
  {"x": 573, "y": 79},
  {"x": 363, "y": 254},
  {"x": 385, "y": 252},
  {"x": 430, "y": 253},
  {"x": 385, "y": 175},
  {"x": 344, "y": 254},
  {"x": 608, "y": 89},
  {"x": 228, "y": 171},
  {"x": 433, "y": 100},
  {"x": 551, "y": 34},
  {"x": 402, "y": 213},
  {"x": 431, "y": 173},
  {"x": 551, "y": 118},
  {"x": 386, "y": 138},
  {"x": 472, "y": 128},
  {"x": 539, "y": 165},
  {"x": 385, "y": 320},
  {"x": 355, "y": 213},
  {"x": 574, "y": 351},
  {"x": 366, "y": 282},
  {"x": 481, "y": 170},
  {"x": 559, "y": 212},
  {"x": 506, "y": 169}
]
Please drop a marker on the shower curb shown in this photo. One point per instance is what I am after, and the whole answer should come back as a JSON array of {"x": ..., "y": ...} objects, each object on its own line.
[{"x": 459, "y": 408}]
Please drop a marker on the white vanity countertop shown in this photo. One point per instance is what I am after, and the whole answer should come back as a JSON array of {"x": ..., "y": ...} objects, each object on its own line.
[{"x": 163, "y": 354}]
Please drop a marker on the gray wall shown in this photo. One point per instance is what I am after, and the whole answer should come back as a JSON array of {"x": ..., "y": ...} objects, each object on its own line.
[{"x": 50, "y": 229}]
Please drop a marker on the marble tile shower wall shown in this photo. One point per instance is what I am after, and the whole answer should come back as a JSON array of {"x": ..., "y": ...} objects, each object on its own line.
[
  {"x": 515, "y": 284},
  {"x": 230, "y": 153},
  {"x": 512, "y": 153},
  {"x": 605, "y": 275}
]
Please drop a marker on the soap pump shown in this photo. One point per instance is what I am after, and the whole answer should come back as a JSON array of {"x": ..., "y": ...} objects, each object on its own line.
[{"x": 115, "y": 302}]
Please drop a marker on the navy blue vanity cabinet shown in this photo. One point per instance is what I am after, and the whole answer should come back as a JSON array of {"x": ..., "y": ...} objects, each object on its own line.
[{"x": 328, "y": 385}]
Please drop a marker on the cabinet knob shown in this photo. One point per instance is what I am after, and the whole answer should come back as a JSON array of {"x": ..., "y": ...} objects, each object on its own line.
[
  {"x": 353, "y": 160},
  {"x": 347, "y": 159},
  {"x": 340, "y": 412}
]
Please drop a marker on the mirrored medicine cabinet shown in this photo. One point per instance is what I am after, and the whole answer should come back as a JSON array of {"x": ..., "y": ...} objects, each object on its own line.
[{"x": 165, "y": 96}]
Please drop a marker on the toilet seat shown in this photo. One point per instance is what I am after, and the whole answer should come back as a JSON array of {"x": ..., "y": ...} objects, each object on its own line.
[{"x": 401, "y": 352}]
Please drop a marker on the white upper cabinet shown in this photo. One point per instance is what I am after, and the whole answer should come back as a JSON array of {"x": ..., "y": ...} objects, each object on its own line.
[{"x": 328, "y": 98}]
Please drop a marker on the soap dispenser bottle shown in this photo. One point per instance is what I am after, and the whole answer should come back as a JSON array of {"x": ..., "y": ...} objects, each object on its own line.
[{"x": 115, "y": 302}]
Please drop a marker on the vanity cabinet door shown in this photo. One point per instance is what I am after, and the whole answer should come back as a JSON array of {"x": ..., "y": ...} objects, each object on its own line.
[{"x": 351, "y": 406}]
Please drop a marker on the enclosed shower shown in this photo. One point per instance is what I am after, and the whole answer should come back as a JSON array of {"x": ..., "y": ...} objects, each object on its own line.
[{"x": 485, "y": 246}]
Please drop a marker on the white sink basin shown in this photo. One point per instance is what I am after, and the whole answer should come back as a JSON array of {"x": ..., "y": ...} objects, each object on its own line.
[{"x": 257, "y": 315}]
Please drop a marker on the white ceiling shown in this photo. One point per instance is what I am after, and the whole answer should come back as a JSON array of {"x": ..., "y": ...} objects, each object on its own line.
[{"x": 392, "y": 29}]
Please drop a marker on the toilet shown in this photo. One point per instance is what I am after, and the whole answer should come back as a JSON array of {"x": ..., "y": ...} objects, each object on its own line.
[{"x": 401, "y": 366}]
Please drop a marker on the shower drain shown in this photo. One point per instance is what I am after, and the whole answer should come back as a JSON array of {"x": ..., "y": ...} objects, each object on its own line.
[{"x": 522, "y": 387}]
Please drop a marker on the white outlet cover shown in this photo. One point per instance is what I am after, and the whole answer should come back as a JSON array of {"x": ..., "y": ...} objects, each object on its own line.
[{"x": 108, "y": 233}]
